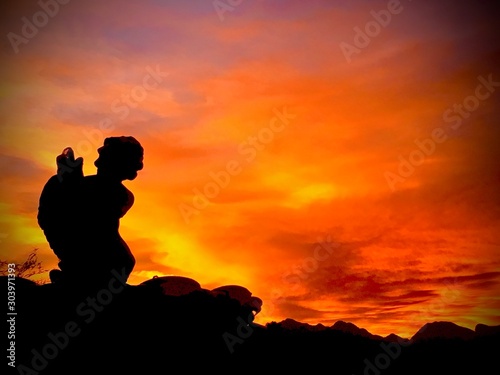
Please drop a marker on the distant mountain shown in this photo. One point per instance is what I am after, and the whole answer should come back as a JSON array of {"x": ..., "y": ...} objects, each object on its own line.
[
  {"x": 434, "y": 330},
  {"x": 484, "y": 330},
  {"x": 341, "y": 326},
  {"x": 395, "y": 338},
  {"x": 291, "y": 324},
  {"x": 351, "y": 328},
  {"x": 445, "y": 330}
]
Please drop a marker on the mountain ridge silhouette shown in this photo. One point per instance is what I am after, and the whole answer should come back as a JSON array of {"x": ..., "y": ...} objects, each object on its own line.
[
  {"x": 430, "y": 330},
  {"x": 169, "y": 322}
]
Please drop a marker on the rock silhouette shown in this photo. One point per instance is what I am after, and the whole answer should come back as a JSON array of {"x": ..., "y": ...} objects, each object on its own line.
[
  {"x": 154, "y": 327},
  {"x": 129, "y": 329}
]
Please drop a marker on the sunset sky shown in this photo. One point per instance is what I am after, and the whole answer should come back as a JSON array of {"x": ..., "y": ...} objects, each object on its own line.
[{"x": 340, "y": 159}]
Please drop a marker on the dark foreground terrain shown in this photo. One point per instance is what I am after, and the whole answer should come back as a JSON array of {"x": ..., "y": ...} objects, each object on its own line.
[{"x": 141, "y": 329}]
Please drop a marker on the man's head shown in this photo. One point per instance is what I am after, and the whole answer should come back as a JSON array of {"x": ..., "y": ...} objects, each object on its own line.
[{"x": 120, "y": 158}]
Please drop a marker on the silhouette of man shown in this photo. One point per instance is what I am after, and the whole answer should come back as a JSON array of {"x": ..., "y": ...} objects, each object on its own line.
[{"x": 80, "y": 215}]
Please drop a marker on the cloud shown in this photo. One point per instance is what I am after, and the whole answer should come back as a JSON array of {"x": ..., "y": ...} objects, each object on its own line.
[
  {"x": 300, "y": 313},
  {"x": 22, "y": 181}
]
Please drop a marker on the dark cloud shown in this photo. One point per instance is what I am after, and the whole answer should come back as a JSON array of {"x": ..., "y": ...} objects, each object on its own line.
[{"x": 19, "y": 171}]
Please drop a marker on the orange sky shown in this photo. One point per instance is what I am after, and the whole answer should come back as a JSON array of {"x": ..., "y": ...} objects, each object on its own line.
[{"x": 357, "y": 175}]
